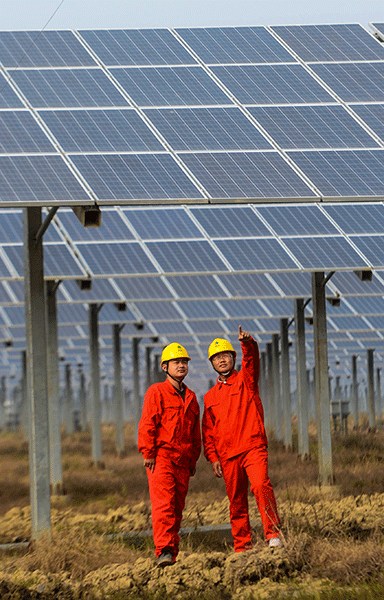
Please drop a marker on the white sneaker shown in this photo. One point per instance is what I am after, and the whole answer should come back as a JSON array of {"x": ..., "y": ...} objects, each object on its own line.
[{"x": 275, "y": 543}]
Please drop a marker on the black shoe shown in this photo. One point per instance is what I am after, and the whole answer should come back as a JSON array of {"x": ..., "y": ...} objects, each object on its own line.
[{"x": 165, "y": 559}]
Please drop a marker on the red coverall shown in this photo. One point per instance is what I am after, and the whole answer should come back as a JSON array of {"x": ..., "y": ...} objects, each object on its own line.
[
  {"x": 169, "y": 431},
  {"x": 234, "y": 434}
]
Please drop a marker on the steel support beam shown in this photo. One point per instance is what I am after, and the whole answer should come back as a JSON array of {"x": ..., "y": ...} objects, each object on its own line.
[
  {"x": 95, "y": 409},
  {"x": 118, "y": 392},
  {"x": 285, "y": 385},
  {"x": 321, "y": 380},
  {"x": 301, "y": 382},
  {"x": 136, "y": 384},
  {"x": 371, "y": 388},
  {"x": 37, "y": 374}
]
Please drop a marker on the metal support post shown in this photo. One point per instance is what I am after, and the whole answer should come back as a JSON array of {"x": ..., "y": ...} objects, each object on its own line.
[
  {"x": 301, "y": 382},
  {"x": 118, "y": 392},
  {"x": 278, "y": 426},
  {"x": 371, "y": 389},
  {"x": 136, "y": 384},
  {"x": 95, "y": 408},
  {"x": 321, "y": 380},
  {"x": 285, "y": 385}
]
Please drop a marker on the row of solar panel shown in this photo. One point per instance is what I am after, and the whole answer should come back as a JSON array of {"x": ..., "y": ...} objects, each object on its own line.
[
  {"x": 220, "y": 45},
  {"x": 194, "y": 86},
  {"x": 308, "y": 240},
  {"x": 192, "y": 129}
]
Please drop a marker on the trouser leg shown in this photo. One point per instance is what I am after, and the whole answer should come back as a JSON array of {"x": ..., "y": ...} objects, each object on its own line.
[
  {"x": 236, "y": 484},
  {"x": 168, "y": 486},
  {"x": 256, "y": 465}
]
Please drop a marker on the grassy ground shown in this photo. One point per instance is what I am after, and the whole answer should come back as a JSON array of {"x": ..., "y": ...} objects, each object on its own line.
[{"x": 334, "y": 536}]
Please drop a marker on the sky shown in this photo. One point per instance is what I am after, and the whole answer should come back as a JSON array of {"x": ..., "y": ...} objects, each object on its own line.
[{"x": 108, "y": 14}]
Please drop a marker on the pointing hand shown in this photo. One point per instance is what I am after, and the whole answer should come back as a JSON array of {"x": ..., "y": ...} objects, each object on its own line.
[{"x": 243, "y": 335}]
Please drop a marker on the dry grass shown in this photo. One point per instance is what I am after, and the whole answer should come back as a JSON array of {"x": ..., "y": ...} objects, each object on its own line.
[{"x": 327, "y": 538}]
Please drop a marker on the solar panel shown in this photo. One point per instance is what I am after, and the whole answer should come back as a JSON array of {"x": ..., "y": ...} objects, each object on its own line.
[
  {"x": 256, "y": 255},
  {"x": 379, "y": 27},
  {"x": 272, "y": 84},
  {"x": 159, "y": 311},
  {"x": 368, "y": 305},
  {"x": 243, "y": 308},
  {"x": 67, "y": 88},
  {"x": 330, "y": 42},
  {"x": 250, "y": 175},
  {"x": 297, "y": 220},
  {"x": 358, "y": 218},
  {"x": 353, "y": 323},
  {"x": 324, "y": 253},
  {"x": 100, "y": 130},
  {"x": 146, "y": 288},
  {"x": 137, "y": 47},
  {"x": 372, "y": 246},
  {"x": 186, "y": 257},
  {"x": 215, "y": 45},
  {"x": 170, "y": 86},
  {"x": 11, "y": 228},
  {"x": 38, "y": 179},
  {"x": 120, "y": 178},
  {"x": 348, "y": 284},
  {"x": 66, "y": 314},
  {"x": 207, "y": 129},
  {"x": 377, "y": 323},
  {"x": 101, "y": 291},
  {"x": 170, "y": 327},
  {"x": 19, "y": 132},
  {"x": 296, "y": 285},
  {"x": 58, "y": 261},
  {"x": 198, "y": 286},
  {"x": 248, "y": 284},
  {"x": 349, "y": 173},
  {"x": 232, "y": 221},
  {"x": 373, "y": 115},
  {"x": 116, "y": 259},
  {"x": 112, "y": 227},
  {"x": 164, "y": 223},
  {"x": 201, "y": 309},
  {"x": 354, "y": 82},
  {"x": 110, "y": 314},
  {"x": 8, "y": 98},
  {"x": 312, "y": 127},
  {"x": 42, "y": 49}
]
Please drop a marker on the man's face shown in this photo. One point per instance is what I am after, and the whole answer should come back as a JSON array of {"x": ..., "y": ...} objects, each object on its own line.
[
  {"x": 223, "y": 362},
  {"x": 177, "y": 367}
]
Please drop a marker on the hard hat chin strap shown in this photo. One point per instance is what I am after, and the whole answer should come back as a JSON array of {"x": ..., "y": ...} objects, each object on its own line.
[{"x": 178, "y": 381}]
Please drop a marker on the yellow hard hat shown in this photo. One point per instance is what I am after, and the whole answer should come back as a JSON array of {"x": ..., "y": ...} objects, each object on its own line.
[
  {"x": 172, "y": 351},
  {"x": 220, "y": 345}
]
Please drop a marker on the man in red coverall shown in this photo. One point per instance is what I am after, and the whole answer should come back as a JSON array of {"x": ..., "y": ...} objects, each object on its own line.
[
  {"x": 235, "y": 441},
  {"x": 169, "y": 438}
]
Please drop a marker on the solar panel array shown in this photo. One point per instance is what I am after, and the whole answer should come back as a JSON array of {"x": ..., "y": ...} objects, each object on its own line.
[{"x": 243, "y": 117}]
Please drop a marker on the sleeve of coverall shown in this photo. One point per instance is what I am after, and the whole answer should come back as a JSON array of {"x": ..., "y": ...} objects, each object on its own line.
[
  {"x": 147, "y": 425},
  {"x": 208, "y": 437},
  {"x": 251, "y": 364}
]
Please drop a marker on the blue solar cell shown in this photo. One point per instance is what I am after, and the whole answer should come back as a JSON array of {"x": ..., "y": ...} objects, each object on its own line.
[
  {"x": 331, "y": 42},
  {"x": 272, "y": 84},
  {"x": 297, "y": 285},
  {"x": 110, "y": 314},
  {"x": 112, "y": 227},
  {"x": 270, "y": 325},
  {"x": 8, "y": 98},
  {"x": 166, "y": 86},
  {"x": 11, "y": 228},
  {"x": 137, "y": 47},
  {"x": 68, "y": 88},
  {"x": 324, "y": 253},
  {"x": 145, "y": 288},
  {"x": 354, "y": 82},
  {"x": 297, "y": 220},
  {"x": 101, "y": 291},
  {"x": 5, "y": 298},
  {"x": 201, "y": 309},
  {"x": 100, "y": 130},
  {"x": 372, "y": 246},
  {"x": 358, "y": 218},
  {"x": 41, "y": 179},
  {"x": 350, "y": 323},
  {"x": 256, "y": 255},
  {"x": 207, "y": 129},
  {"x": 58, "y": 261},
  {"x": 280, "y": 307},
  {"x": 170, "y": 327},
  {"x": 173, "y": 223},
  {"x": 348, "y": 284},
  {"x": 367, "y": 305},
  {"x": 373, "y": 115},
  {"x": 186, "y": 256},
  {"x": 223, "y": 222},
  {"x": 246, "y": 175},
  {"x": 377, "y": 323},
  {"x": 115, "y": 259},
  {"x": 217, "y": 45},
  {"x": 344, "y": 173},
  {"x": 159, "y": 311},
  {"x": 249, "y": 284},
  {"x": 243, "y": 308},
  {"x": 19, "y": 132},
  {"x": 198, "y": 286},
  {"x": 42, "y": 49},
  {"x": 312, "y": 127},
  {"x": 207, "y": 326},
  {"x": 4, "y": 271},
  {"x": 380, "y": 28},
  {"x": 116, "y": 177},
  {"x": 66, "y": 314}
]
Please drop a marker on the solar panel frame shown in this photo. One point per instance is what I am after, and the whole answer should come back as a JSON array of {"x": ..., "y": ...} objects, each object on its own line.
[{"x": 323, "y": 253}]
